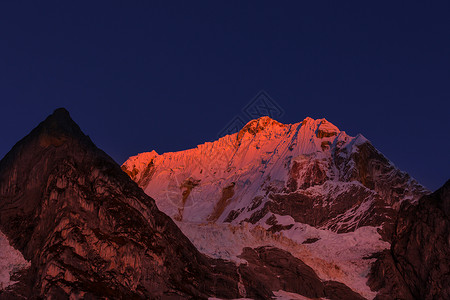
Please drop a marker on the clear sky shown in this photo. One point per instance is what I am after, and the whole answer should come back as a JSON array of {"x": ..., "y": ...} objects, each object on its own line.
[{"x": 143, "y": 75}]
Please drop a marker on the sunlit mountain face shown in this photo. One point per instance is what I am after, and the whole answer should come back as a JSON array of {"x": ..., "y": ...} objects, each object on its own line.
[
  {"x": 274, "y": 211},
  {"x": 331, "y": 180}
]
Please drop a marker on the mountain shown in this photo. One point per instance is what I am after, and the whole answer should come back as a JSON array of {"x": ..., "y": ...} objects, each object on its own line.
[
  {"x": 308, "y": 188},
  {"x": 88, "y": 231},
  {"x": 75, "y": 226},
  {"x": 275, "y": 211},
  {"x": 310, "y": 171}
]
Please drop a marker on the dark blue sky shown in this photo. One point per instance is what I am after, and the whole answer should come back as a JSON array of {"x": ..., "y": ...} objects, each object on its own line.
[{"x": 141, "y": 75}]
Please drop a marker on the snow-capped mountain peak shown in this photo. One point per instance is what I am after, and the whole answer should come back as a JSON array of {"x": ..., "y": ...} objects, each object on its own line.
[{"x": 235, "y": 178}]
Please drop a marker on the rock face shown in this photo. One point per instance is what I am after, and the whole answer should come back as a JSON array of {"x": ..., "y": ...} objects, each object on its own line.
[
  {"x": 421, "y": 248},
  {"x": 310, "y": 171},
  {"x": 90, "y": 231},
  {"x": 279, "y": 270}
]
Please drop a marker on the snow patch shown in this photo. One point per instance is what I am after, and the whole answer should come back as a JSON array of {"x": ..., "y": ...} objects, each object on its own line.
[{"x": 11, "y": 261}]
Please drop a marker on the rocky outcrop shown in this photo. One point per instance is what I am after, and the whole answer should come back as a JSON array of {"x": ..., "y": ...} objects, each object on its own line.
[
  {"x": 90, "y": 231},
  {"x": 418, "y": 265},
  {"x": 336, "y": 290},
  {"x": 279, "y": 270},
  {"x": 385, "y": 278}
]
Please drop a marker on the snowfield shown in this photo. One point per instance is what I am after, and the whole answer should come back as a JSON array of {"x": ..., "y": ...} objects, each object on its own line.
[{"x": 338, "y": 257}]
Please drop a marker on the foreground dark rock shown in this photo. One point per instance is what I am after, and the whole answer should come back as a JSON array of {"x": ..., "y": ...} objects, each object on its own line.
[
  {"x": 335, "y": 290},
  {"x": 418, "y": 265},
  {"x": 90, "y": 231},
  {"x": 279, "y": 270}
]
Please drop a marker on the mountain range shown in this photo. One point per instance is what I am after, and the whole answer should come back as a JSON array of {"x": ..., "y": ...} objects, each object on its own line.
[{"x": 274, "y": 211}]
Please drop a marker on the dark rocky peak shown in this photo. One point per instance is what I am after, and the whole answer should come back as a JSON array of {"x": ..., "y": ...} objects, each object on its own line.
[
  {"x": 90, "y": 231},
  {"x": 60, "y": 124},
  {"x": 57, "y": 130}
]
